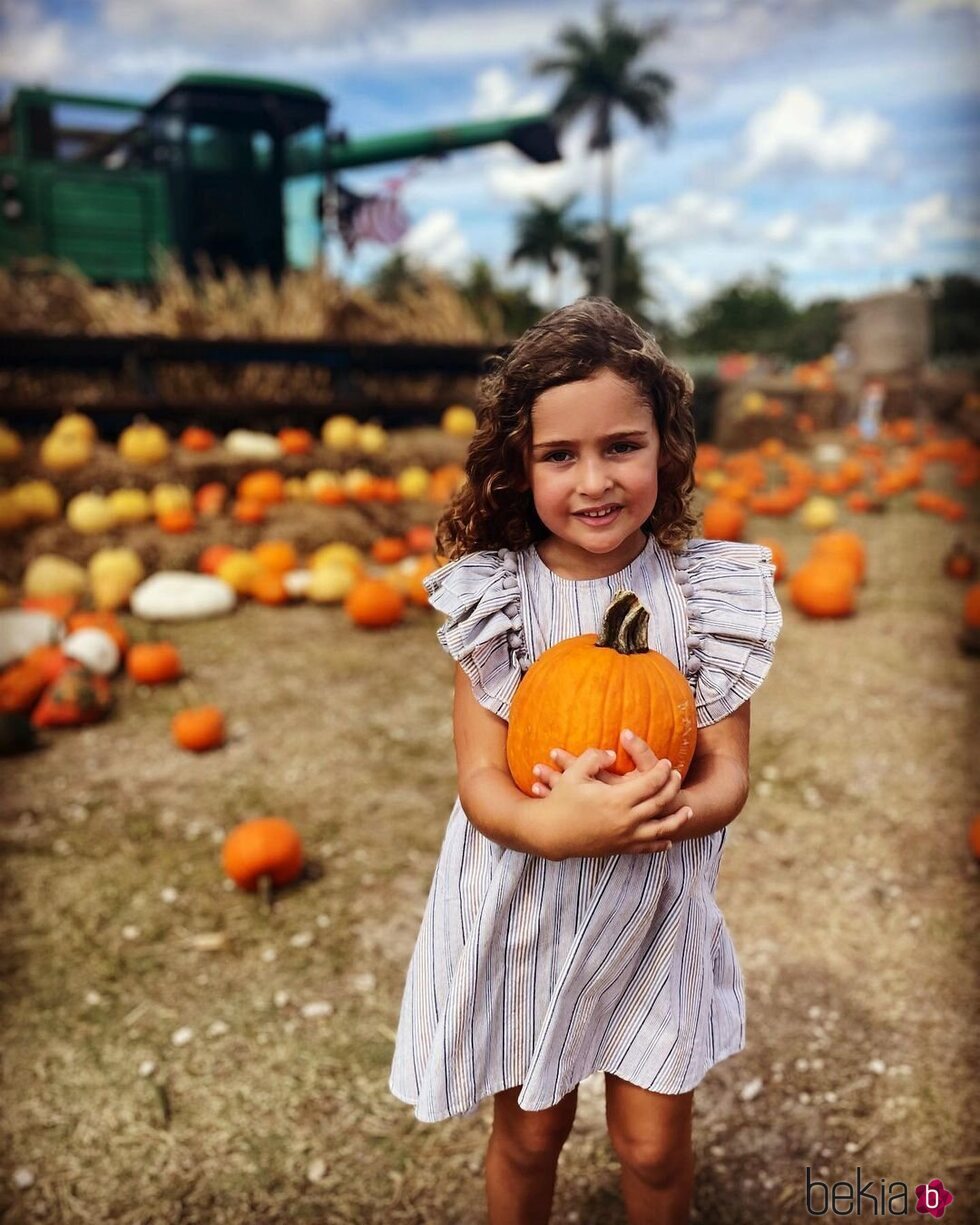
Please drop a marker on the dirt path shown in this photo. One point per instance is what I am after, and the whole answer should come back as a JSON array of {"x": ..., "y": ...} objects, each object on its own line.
[{"x": 846, "y": 885}]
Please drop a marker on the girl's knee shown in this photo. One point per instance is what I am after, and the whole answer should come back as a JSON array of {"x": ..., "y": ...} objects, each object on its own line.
[
  {"x": 650, "y": 1132},
  {"x": 656, "y": 1162},
  {"x": 532, "y": 1138}
]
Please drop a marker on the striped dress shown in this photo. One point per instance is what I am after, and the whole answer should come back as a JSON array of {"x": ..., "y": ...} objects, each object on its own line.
[{"x": 538, "y": 973}]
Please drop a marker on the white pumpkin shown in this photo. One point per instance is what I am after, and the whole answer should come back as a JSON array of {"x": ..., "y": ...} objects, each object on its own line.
[
  {"x": 180, "y": 595},
  {"x": 94, "y": 648},
  {"x": 252, "y": 444},
  {"x": 297, "y": 583},
  {"x": 23, "y": 629}
]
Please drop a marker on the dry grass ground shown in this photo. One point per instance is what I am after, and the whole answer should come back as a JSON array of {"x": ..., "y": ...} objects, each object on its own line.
[{"x": 847, "y": 885}]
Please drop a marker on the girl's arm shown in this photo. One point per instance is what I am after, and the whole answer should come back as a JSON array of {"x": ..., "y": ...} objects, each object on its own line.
[
  {"x": 717, "y": 784},
  {"x": 491, "y": 801}
]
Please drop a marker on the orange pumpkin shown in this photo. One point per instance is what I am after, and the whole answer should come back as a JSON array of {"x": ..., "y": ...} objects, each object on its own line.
[
  {"x": 723, "y": 520},
  {"x": 824, "y": 587},
  {"x": 295, "y": 441},
  {"x": 212, "y": 557},
  {"x": 374, "y": 604},
  {"x": 276, "y": 555},
  {"x": 210, "y": 498},
  {"x": 389, "y": 549},
  {"x": 59, "y": 606},
  {"x": 199, "y": 728},
  {"x": 264, "y": 485},
  {"x": 971, "y": 607},
  {"x": 420, "y": 539},
  {"x": 386, "y": 490},
  {"x": 975, "y": 836},
  {"x": 960, "y": 562},
  {"x": 21, "y": 684},
  {"x": 248, "y": 510},
  {"x": 180, "y": 519},
  {"x": 268, "y": 588},
  {"x": 846, "y": 545},
  {"x": 574, "y": 696},
  {"x": 153, "y": 663},
  {"x": 330, "y": 495},
  {"x": 196, "y": 438},
  {"x": 264, "y": 847}
]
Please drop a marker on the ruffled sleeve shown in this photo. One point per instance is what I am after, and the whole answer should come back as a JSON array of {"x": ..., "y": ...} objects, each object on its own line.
[
  {"x": 734, "y": 620},
  {"x": 484, "y": 629}
]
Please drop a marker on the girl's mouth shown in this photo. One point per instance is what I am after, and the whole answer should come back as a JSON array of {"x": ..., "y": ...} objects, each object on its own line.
[{"x": 599, "y": 520}]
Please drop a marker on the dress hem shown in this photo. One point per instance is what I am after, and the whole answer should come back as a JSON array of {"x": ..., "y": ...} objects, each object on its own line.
[{"x": 687, "y": 1086}]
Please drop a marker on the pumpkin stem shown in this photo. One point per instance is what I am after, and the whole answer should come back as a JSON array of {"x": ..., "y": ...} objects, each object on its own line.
[
  {"x": 624, "y": 626},
  {"x": 265, "y": 892}
]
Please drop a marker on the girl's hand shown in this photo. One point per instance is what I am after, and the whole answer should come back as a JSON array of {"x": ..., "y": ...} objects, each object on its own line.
[{"x": 582, "y": 818}]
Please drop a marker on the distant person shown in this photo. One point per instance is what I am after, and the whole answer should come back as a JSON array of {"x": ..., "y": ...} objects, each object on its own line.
[{"x": 577, "y": 930}]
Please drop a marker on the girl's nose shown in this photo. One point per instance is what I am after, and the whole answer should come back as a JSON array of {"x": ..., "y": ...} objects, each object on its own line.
[{"x": 594, "y": 480}]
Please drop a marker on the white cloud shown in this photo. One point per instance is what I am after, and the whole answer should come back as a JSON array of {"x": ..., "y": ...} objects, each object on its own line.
[
  {"x": 496, "y": 93},
  {"x": 244, "y": 22},
  {"x": 511, "y": 177},
  {"x": 33, "y": 49},
  {"x": 796, "y": 133},
  {"x": 781, "y": 229},
  {"x": 438, "y": 242},
  {"x": 691, "y": 216}
]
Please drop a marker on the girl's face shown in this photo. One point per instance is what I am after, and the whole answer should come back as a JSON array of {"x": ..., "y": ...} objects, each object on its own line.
[{"x": 594, "y": 444}]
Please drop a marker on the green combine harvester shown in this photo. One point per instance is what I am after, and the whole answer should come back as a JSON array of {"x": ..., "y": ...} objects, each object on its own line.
[{"x": 199, "y": 172}]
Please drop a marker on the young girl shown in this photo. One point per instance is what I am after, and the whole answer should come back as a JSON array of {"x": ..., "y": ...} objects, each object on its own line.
[{"x": 577, "y": 931}]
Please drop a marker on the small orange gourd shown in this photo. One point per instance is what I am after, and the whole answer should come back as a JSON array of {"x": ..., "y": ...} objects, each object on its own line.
[
  {"x": 583, "y": 691},
  {"x": 153, "y": 663},
  {"x": 198, "y": 728},
  {"x": 265, "y": 847},
  {"x": 824, "y": 587},
  {"x": 374, "y": 604}
]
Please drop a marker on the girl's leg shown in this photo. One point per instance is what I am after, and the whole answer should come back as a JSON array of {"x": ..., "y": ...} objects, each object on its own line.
[
  {"x": 522, "y": 1158},
  {"x": 651, "y": 1133}
]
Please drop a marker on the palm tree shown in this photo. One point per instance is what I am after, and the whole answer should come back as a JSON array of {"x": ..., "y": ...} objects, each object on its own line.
[
  {"x": 544, "y": 232},
  {"x": 629, "y": 288},
  {"x": 601, "y": 74},
  {"x": 500, "y": 310}
]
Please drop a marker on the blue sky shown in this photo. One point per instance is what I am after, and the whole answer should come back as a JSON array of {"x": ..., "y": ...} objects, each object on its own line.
[{"x": 837, "y": 141}]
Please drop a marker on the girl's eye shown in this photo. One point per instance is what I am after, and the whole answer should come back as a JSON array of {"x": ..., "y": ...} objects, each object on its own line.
[{"x": 632, "y": 446}]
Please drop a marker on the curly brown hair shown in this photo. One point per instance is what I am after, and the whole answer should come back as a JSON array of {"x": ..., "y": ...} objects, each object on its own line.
[{"x": 494, "y": 506}]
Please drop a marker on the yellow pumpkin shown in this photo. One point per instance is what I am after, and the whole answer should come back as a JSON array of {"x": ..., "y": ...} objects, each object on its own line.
[
  {"x": 340, "y": 433},
  {"x": 239, "y": 570},
  {"x": 65, "y": 451},
  {"x": 296, "y": 490},
  {"x": 39, "y": 500},
  {"x": 78, "y": 424},
  {"x": 371, "y": 438},
  {"x": 321, "y": 478},
  {"x": 339, "y": 551},
  {"x": 122, "y": 563},
  {"x": 144, "y": 443},
  {"x": 167, "y": 497},
  {"x": 130, "y": 505},
  {"x": 459, "y": 421},
  {"x": 331, "y": 583},
  {"x": 51, "y": 575},
  {"x": 355, "y": 479},
  {"x": 90, "y": 513},
  {"x": 413, "y": 482},
  {"x": 817, "y": 512},
  {"x": 10, "y": 444}
]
